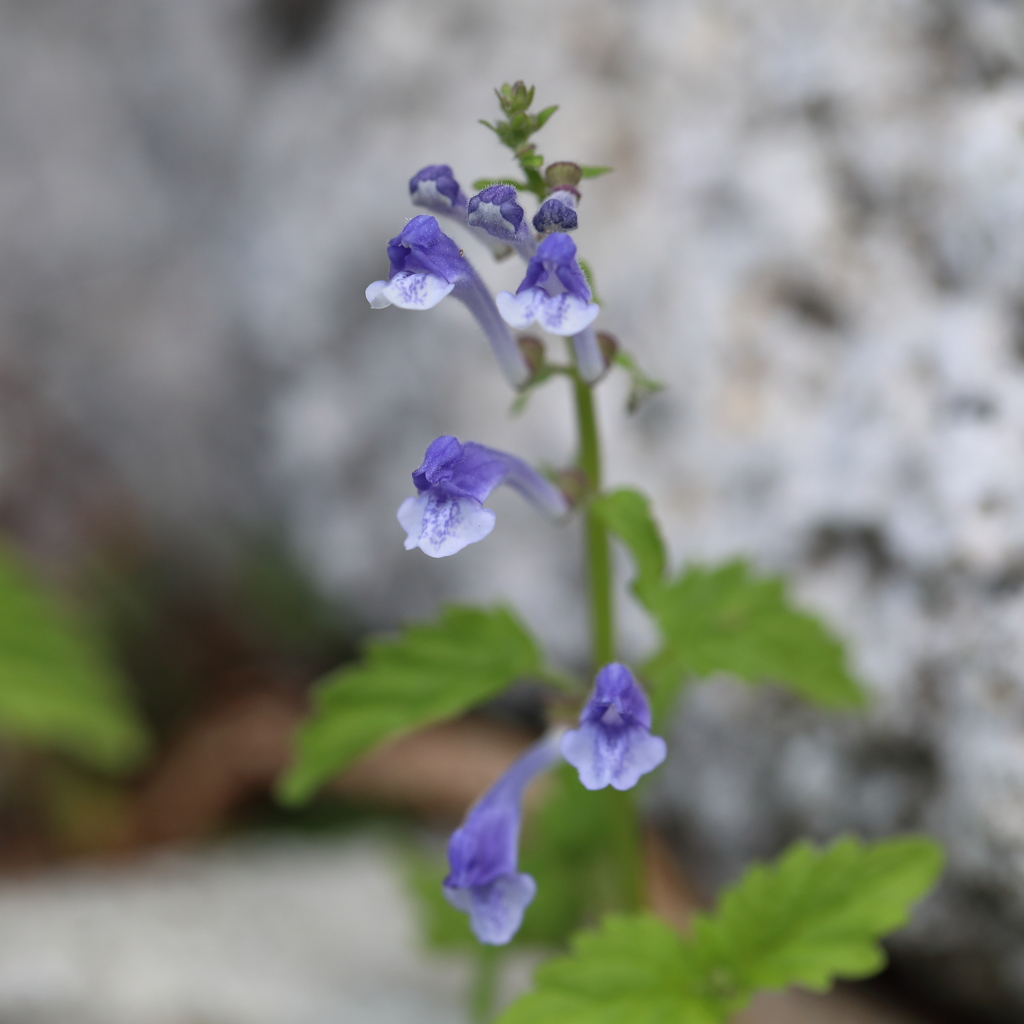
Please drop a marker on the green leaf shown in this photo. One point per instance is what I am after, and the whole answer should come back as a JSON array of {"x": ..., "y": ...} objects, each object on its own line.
[
  {"x": 57, "y": 689},
  {"x": 815, "y": 915},
  {"x": 641, "y": 386},
  {"x": 726, "y": 619},
  {"x": 581, "y": 848},
  {"x": 627, "y": 514},
  {"x": 633, "y": 969},
  {"x": 588, "y": 273},
  {"x": 595, "y": 172},
  {"x": 426, "y": 674},
  {"x": 544, "y": 116}
]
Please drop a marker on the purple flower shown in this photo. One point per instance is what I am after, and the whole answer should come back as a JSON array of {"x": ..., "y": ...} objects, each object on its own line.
[
  {"x": 613, "y": 744},
  {"x": 557, "y": 212},
  {"x": 436, "y": 189},
  {"x": 483, "y": 855},
  {"x": 555, "y": 294},
  {"x": 497, "y": 211},
  {"x": 426, "y": 265},
  {"x": 454, "y": 482}
]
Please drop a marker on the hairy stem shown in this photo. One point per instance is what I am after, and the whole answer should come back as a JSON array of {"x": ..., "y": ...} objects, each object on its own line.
[{"x": 598, "y": 555}]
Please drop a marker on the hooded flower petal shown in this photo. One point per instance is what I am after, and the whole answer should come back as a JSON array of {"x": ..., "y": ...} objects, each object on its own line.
[
  {"x": 483, "y": 855},
  {"x": 496, "y": 210},
  {"x": 557, "y": 212},
  {"x": 613, "y": 744},
  {"x": 436, "y": 189}
]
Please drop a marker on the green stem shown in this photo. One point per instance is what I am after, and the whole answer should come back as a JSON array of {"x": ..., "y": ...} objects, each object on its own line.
[
  {"x": 484, "y": 989},
  {"x": 599, "y": 569}
]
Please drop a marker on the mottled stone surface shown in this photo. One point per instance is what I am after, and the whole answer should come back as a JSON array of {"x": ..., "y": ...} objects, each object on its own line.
[{"x": 814, "y": 233}]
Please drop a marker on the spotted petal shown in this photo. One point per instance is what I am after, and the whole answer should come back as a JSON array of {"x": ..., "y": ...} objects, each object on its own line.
[
  {"x": 520, "y": 310},
  {"x": 612, "y": 756},
  {"x": 409, "y": 290},
  {"x": 441, "y": 525}
]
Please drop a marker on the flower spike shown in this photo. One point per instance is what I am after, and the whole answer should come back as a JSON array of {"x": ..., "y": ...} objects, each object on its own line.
[
  {"x": 483, "y": 855},
  {"x": 613, "y": 744},
  {"x": 453, "y": 483},
  {"x": 426, "y": 265}
]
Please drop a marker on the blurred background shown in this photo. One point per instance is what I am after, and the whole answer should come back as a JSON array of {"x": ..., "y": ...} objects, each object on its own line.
[{"x": 814, "y": 234}]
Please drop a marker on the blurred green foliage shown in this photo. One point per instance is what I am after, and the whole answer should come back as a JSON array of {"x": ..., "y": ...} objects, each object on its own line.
[{"x": 58, "y": 688}]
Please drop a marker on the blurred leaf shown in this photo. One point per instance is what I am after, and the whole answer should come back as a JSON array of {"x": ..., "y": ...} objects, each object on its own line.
[
  {"x": 424, "y": 675},
  {"x": 812, "y": 917},
  {"x": 581, "y": 847},
  {"x": 627, "y": 514},
  {"x": 641, "y": 386},
  {"x": 443, "y": 927},
  {"x": 815, "y": 915},
  {"x": 56, "y": 688},
  {"x": 593, "y": 171},
  {"x": 725, "y": 619}
]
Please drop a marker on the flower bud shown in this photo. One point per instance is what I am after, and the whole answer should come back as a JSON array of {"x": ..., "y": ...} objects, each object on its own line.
[{"x": 562, "y": 173}]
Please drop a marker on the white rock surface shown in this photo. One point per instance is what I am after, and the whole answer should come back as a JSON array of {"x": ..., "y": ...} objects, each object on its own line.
[{"x": 264, "y": 933}]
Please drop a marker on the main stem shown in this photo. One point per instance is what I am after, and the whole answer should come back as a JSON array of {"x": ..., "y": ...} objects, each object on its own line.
[{"x": 599, "y": 569}]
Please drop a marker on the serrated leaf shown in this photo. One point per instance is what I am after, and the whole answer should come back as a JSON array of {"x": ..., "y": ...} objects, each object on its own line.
[
  {"x": 815, "y": 915},
  {"x": 633, "y": 969},
  {"x": 57, "y": 690},
  {"x": 725, "y": 619},
  {"x": 627, "y": 514},
  {"x": 593, "y": 171},
  {"x": 424, "y": 675}
]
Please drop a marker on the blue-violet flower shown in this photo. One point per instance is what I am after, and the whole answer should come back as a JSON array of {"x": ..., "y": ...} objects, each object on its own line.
[
  {"x": 454, "y": 482},
  {"x": 483, "y": 855},
  {"x": 557, "y": 212},
  {"x": 554, "y": 293},
  {"x": 613, "y": 744},
  {"x": 498, "y": 212},
  {"x": 436, "y": 189},
  {"x": 426, "y": 265}
]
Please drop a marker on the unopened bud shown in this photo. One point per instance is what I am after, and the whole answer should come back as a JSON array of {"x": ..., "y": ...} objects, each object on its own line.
[
  {"x": 609, "y": 346},
  {"x": 562, "y": 173},
  {"x": 533, "y": 352},
  {"x": 573, "y": 483},
  {"x": 557, "y": 212}
]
